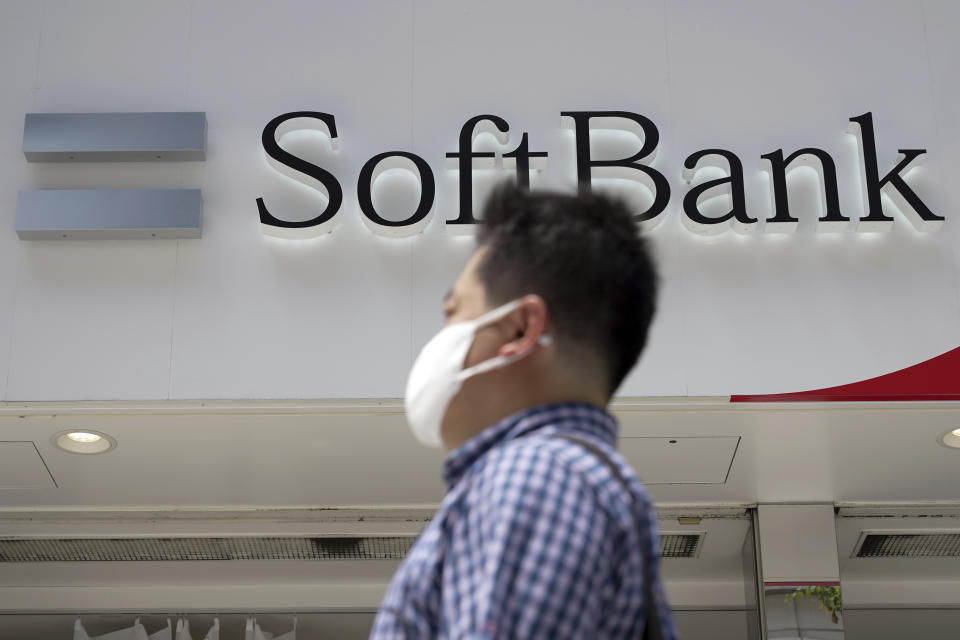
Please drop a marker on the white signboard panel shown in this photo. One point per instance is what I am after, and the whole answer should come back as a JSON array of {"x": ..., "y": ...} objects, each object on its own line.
[{"x": 242, "y": 314}]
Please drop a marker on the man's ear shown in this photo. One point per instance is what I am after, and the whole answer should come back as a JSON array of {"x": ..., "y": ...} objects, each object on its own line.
[{"x": 531, "y": 319}]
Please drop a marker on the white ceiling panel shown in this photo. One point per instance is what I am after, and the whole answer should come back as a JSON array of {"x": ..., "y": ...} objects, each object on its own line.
[
  {"x": 681, "y": 460},
  {"x": 22, "y": 467},
  {"x": 360, "y": 453}
]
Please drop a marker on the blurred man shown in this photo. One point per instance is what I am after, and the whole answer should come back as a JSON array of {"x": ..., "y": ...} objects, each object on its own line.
[{"x": 545, "y": 531}]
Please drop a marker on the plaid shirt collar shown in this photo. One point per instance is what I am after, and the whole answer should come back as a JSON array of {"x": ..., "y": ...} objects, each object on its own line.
[{"x": 579, "y": 417}]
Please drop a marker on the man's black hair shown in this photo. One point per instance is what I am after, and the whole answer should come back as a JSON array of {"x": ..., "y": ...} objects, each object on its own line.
[{"x": 584, "y": 256}]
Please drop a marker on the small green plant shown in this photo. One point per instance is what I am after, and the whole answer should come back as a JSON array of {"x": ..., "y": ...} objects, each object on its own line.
[{"x": 828, "y": 599}]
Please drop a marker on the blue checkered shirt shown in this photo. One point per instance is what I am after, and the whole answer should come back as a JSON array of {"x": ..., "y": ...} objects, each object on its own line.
[{"x": 535, "y": 539}]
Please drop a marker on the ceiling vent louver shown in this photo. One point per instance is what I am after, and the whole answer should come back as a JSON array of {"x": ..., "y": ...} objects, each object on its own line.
[
  {"x": 681, "y": 545},
  {"x": 179, "y": 549},
  {"x": 908, "y": 544},
  {"x": 672, "y": 545}
]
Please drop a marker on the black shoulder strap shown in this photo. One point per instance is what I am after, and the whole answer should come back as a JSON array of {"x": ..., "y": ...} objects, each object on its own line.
[{"x": 652, "y": 630}]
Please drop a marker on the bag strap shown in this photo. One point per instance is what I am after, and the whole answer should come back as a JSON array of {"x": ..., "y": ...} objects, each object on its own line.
[{"x": 652, "y": 630}]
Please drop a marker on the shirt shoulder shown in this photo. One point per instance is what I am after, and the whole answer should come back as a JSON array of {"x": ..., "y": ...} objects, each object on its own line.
[
  {"x": 528, "y": 460},
  {"x": 525, "y": 465}
]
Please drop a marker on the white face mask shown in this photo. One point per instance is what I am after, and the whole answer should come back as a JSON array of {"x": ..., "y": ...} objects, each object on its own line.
[{"x": 438, "y": 372}]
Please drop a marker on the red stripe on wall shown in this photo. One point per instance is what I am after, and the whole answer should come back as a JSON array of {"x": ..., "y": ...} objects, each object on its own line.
[{"x": 934, "y": 379}]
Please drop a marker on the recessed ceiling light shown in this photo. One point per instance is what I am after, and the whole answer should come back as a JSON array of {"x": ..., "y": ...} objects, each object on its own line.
[
  {"x": 83, "y": 436},
  {"x": 74, "y": 441},
  {"x": 951, "y": 439}
]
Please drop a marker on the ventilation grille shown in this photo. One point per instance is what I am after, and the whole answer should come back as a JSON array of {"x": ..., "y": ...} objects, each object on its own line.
[
  {"x": 680, "y": 545},
  {"x": 160, "y": 549},
  {"x": 909, "y": 545},
  {"x": 672, "y": 545}
]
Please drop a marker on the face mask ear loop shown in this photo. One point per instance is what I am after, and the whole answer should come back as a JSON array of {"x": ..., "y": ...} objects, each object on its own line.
[
  {"x": 501, "y": 361},
  {"x": 496, "y": 314},
  {"x": 498, "y": 361},
  {"x": 488, "y": 365}
]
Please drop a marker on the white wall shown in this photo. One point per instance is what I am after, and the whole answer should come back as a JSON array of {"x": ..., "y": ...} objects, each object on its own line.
[{"x": 239, "y": 315}]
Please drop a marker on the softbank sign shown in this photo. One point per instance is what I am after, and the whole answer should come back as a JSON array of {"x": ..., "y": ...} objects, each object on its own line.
[{"x": 638, "y": 167}]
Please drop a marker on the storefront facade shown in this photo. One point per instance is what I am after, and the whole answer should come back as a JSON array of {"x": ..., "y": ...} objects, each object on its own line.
[{"x": 259, "y": 365}]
